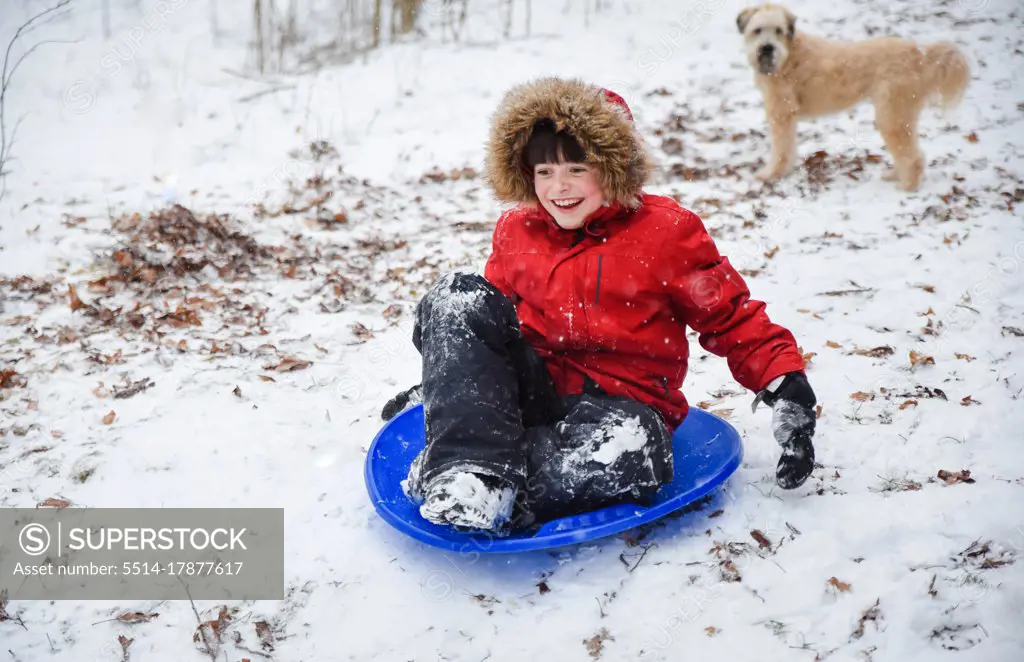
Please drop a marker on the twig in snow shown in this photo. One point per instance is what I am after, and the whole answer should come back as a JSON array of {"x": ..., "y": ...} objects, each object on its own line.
[
  {"x": 199, "y": 620},
  {"x": 839, "y": 293},
  {"x": 647, "y": 548}
]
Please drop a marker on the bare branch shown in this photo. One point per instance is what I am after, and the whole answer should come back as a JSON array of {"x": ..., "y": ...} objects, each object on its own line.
[
  {"x": 10, "y": 76},
  {"x": 7, "y": 74}
]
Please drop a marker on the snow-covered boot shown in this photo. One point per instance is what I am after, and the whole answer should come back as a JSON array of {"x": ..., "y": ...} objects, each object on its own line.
[
  {"x": 468, "y": 500},
  {"x": 413, "y": 484}
]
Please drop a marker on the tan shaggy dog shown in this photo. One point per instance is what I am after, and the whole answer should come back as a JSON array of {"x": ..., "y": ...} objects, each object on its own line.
[{"x": 803, "y": 76}]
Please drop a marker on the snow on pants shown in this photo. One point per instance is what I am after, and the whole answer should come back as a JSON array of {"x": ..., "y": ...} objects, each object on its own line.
[{"x": 491, "y": 407}]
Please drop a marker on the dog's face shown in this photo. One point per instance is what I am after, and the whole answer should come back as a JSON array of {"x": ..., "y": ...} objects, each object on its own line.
[{"x": 767, "y": 31}]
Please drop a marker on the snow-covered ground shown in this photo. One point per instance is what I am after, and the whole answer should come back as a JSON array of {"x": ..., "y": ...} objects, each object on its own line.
[{"x": 910, "y": 308}]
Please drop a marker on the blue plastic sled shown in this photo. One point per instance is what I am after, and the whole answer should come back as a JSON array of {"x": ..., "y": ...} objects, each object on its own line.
[{"x": 707, "y": 451}]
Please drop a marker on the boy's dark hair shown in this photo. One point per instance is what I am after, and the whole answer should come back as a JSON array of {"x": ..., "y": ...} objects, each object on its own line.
[{"x": 549, "y": 146}]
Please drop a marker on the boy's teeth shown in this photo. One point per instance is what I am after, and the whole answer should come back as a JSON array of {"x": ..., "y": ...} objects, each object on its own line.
[{"x": 565, "y": 203}]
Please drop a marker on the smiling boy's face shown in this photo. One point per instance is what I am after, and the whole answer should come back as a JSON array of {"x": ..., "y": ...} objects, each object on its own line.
[{"x": 570, "y": 192}]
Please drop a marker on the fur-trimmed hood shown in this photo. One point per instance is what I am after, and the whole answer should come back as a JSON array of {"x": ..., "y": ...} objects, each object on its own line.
[{"x": 600, "y": 121}]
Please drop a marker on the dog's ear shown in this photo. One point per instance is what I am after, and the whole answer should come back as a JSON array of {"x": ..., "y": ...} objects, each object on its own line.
[
  {"x": 790, "y": 24},
  {"x": 744, "y": 17}
]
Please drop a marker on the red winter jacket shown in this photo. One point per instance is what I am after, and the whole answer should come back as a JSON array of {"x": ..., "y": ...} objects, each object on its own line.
[{"x": 613, "y": 300}]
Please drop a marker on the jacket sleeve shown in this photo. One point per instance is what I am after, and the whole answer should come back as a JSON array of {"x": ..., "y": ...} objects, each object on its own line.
[
  {"x": 494, "y": 269},
  {"x": 712, "y": 299}
]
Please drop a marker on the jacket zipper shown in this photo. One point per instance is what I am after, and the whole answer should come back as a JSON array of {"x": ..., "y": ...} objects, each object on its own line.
[{"x": 597, "y": 290}]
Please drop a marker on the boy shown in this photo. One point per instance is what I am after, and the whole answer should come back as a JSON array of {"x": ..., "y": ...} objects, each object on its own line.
[{"x": 551, "y": 385}]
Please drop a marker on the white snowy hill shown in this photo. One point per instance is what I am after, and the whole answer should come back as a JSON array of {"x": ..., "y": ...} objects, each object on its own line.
[{"x": 242, "y": 361}]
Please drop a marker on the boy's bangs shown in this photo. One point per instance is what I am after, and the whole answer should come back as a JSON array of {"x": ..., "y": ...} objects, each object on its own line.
[{"x": 547, "y": 146}]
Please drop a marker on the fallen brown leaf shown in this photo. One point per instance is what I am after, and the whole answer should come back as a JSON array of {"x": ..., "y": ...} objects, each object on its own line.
[
  {"x": 137, "y": 617},
  {"x": 908, "y": 403},
  {"x": 967, "y": 401},
  {"x": 818, "y": 410},
  {"x": 52, "y": 502},
  {"x": 833, "y": 345},
  {"x": 972, "y": 137},
  {"x": 711, "y": 630},
  {"x": 264, "y": 634},
  {"x": 237, "y": 391},
  {"x": 875, "y": 352},
  {"x": 916, "y": 359},
  {"x": 11, "y": 379},
  {"x": 951, "y": 478},
  {"x": 133, "y": 388},
  {"x": 392, "y": 312},
  {"x": 872, "y": 613},
  {"x": 361, "y": 332},
  {"x": 267, "y": 378},
  {"x": 861, "y": 396},
  {"x": 841, "y": 586},
  {"x": 289, "y": 364},
  {"x": 76, "y": 303},
  {"x": 214, "y": 626},
  {"x": 109, "y": 418},
  {"x": 963, "y": 357},
  {"x": 596, "y": 643},
  {"x": 761, "y": 539},
  {"x": 729, "y": 572},
  {"x": 125, "y": 643}
]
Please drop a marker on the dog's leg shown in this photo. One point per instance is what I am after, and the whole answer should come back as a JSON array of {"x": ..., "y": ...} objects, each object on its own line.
[
  {"x": 781, "y": 110},
  {"x": 783, "y": 150},
  {"x": 898, "y": 126}
]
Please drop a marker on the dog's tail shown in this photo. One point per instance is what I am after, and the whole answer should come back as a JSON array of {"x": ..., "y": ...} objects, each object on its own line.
[{"x": 947, "y": 73}]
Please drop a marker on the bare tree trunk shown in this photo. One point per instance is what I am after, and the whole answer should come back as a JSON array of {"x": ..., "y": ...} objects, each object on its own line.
[
  {"x": 376, "y": 23},
  {"x": 462, "y": 16},
  {"x": 408, "y": 11},
  {"x": 289, "y": 34},
  {"x": 508, "y": 17},
  {"x": 529, "y": 17},
  {"x": 257, "y": 11}
]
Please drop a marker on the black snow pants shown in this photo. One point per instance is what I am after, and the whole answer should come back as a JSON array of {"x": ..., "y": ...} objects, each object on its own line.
[{"x": 491, "y": 407}]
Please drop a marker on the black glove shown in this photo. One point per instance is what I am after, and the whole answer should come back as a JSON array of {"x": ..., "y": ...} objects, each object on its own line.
[
  {"x": 401, "y": 402},
  {"x": 793, "y": 418}
]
